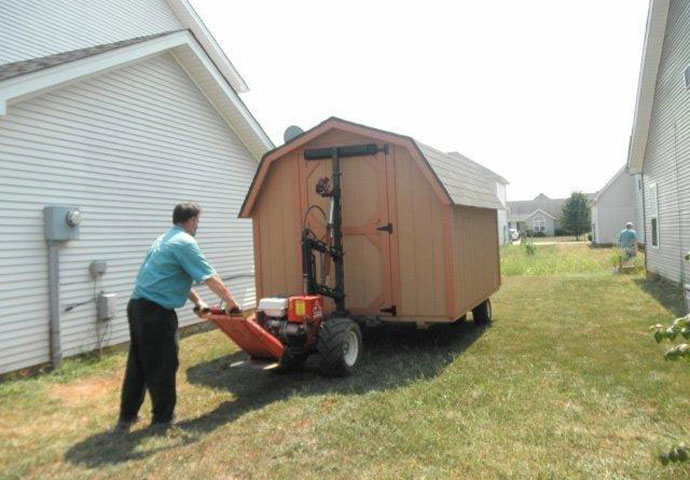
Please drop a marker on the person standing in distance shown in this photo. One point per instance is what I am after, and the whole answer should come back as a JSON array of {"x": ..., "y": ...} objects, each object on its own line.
[
  {"x": 627, "y": 241},
  {"x": 164, "y": 282}
]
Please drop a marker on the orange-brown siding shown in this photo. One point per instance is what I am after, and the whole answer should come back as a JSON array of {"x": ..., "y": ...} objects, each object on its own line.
[
  {"x": 277, "y": 229},
  {"x": 440, "y": 260},
  {"x": 476, "y": 259},
  {"x": 420, "y": 241}
]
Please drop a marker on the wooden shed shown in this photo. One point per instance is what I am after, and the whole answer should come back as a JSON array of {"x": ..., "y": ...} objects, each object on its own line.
[{"x": 419, "y": 225}]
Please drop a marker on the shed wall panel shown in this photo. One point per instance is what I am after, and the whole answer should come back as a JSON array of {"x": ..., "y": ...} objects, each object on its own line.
[
  {"x": 125, "y": 147},
  {"x": 420, "y": 241},
  {"x": 667, "y": 157},
  {"x": 37, "y": 28},
  {"x": 476, "y": 256},
  {"x": 279, "y": 230}
]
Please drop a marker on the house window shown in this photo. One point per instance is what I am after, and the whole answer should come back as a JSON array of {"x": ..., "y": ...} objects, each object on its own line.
[
  {"x": 655, "y": 232},
  {"x": 654, "y": 213},
  {"x": 539, "y": 225}
]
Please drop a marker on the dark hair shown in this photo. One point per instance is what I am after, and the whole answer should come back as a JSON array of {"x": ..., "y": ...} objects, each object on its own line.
[{"x": 185, "y": 211}]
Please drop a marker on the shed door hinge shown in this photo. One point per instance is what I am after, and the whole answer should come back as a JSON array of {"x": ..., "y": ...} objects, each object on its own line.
[
  {"x": 392, "y": 310},
  {"x": 386, "y": 228}
]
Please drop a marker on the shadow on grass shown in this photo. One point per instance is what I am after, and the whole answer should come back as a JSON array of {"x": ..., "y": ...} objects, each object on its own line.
[
  {"x": 394, "y": 356},
  {"x": 668, "y": 294}
]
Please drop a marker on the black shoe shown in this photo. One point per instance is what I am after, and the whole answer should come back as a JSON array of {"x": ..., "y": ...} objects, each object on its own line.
[
  {"x": 162, "y": 426},
  {"x": 123, "y": 426}
]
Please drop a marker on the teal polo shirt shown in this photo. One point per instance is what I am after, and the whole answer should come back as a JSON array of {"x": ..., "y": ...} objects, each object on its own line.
[
  {"x": 626, "y": 239},
  {"x": 173, "y": 263}
]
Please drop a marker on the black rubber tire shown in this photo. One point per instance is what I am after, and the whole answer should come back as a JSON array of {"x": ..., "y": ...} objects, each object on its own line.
[
  {"x": 332, "y": 342},
  {"x": 482, "y": 313}
]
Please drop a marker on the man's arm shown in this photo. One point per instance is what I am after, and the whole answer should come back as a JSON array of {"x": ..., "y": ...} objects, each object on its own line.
[
  {"x": 218, "y": 287},
  {"x": 196, "y": 299}
]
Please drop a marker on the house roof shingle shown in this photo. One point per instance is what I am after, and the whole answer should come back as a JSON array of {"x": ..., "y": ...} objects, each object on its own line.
[{"x": 16, "y": 69}]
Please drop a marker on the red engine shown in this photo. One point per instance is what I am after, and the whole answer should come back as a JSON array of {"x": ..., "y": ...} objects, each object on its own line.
[
  {"x": 295, "y": 321},
  {"x": 305, "y": 308}
]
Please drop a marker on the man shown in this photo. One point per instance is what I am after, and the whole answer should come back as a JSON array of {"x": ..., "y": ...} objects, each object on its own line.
[
  {"x": 164, "y": 282},
  {"x": 627, "y": 241}
]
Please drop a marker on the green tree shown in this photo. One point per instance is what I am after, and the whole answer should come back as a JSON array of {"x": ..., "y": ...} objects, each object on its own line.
[{"x": 575, "y": 216}]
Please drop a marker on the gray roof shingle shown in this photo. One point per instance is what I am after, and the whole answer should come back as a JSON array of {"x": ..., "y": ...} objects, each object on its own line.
[
  {"x": 466, "y": 181},
  {"x": 521, "y": 210},
  {"x": 16, "y": 69}
]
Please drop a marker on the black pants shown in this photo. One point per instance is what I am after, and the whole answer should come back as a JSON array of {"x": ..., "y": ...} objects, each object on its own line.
[{"x": 152, "y": 362}]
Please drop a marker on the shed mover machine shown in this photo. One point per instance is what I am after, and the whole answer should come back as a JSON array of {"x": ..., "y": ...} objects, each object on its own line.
[{"x": 355, "y": 225}]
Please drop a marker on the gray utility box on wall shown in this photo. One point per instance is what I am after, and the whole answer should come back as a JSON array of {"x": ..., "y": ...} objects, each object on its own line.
[
  {"x": 61, "y": 223},
  {"x": 106, "y": 306}
]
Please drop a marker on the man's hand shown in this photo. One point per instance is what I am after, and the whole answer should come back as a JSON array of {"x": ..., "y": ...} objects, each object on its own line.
[
  {"x": 231, "y": 304},
  {"x": 201, "y": 310}
]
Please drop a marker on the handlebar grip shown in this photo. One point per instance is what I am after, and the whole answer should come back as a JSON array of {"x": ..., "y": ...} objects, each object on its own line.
[
  {"x": 235, "y": 311},
  {"x": 205, "y": 310}
]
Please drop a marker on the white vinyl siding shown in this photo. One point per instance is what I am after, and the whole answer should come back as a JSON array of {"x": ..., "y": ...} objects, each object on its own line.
[
  {"x": 37, "y": 28},
  {"x": 125, "y": 147},
  {"x": 667, "y": 158},
  {"x": 615, "y": 206}
]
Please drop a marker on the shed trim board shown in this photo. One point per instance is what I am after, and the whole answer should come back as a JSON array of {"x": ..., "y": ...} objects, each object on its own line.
[
  {"x": 16, "y": 89},
  {"x": 425, "y": 199}
]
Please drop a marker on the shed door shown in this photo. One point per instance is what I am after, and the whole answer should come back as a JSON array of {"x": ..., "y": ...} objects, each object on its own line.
[{"x": 365, "y": 210}]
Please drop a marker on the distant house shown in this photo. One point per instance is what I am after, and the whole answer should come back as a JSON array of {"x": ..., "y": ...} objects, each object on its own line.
[
  {"x": 660, "y": 141},
  {"x": 538, "y": 215},
  {"x": 495, "y": 182},
  {"x": 119, "y": 109},
  {"x": 615, "y": 205}
]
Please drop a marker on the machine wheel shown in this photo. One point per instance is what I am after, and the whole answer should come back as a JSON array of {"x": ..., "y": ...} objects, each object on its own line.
[
  {"x": 482, "y": 313},
  {"x": 340, "y": 346}
]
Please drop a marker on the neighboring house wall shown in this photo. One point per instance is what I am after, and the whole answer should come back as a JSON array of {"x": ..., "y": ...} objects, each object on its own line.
[
  {"x": 125, "y": 147},
  {"x": 539, "y": 222},
  {"x": 667, "y": 159},
  {"x": 502, "y": 214},
  {"x": 37, "y": 28},
  {"x": 615, "y": 206}
]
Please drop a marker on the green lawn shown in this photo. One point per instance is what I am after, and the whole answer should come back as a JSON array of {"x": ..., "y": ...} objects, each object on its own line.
[{"x": 566, "y": 383}]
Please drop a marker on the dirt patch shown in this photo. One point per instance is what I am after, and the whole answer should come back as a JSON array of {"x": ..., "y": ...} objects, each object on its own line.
[{"x": 83, "y": 392}]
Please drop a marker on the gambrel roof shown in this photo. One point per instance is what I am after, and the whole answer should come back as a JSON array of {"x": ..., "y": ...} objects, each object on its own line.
[{"x": 461, "y": 180}]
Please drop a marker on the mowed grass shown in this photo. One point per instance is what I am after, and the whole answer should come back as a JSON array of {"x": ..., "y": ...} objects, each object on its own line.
[{"x": 566, "y": 383}]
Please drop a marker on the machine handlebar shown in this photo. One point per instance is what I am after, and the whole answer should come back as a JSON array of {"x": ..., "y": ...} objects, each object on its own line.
[{"x": 219, "y": 311}]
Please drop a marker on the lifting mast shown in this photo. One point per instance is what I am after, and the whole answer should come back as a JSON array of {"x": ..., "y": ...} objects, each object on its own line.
[{"x": 309, "y": 241}]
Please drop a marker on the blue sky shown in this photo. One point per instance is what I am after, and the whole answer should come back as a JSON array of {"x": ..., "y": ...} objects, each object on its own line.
[{"x": 540, "y": 91}]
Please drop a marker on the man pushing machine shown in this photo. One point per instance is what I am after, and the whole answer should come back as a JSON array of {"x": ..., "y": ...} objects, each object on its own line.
[{"x": 164, "y": 282}]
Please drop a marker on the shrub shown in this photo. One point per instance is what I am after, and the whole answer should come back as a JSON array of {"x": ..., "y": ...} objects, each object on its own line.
[
  {"x": 590, "y": 237},
  {"x": 680, "y": 326},
  {"x": 539, "y": 234},
  {"x": 560, "y": 232}
]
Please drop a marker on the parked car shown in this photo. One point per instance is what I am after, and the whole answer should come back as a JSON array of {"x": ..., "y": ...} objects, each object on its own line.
[{"x": 514, "y": 234}]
